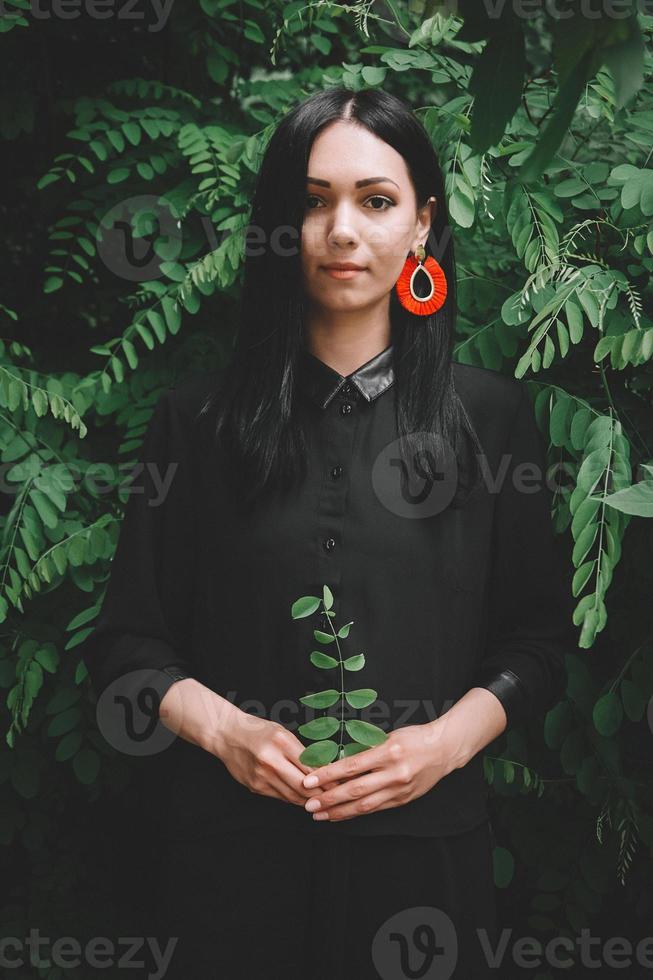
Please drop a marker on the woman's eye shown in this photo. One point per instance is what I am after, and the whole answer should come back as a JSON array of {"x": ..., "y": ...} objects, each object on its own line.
[
  {"x": 386, "y": 200},
  {"x": 376, "y": 197}
]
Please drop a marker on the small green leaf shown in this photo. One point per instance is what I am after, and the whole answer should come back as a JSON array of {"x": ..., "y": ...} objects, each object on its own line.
[
  {"x": 361, "y": 697},
  {"x": 145, "y": 335},
  {"x": 357, "y": 662},
  {"x": 132, "y": 132},
  {"x": 323, "y": 637},
  {"x": 130, "y": 353},
  {"x": 364, "y": 732},
  {"x": 39, "y": 402},
  {"x": 117, "y": 175},
  {"x": 323, "y": 44},
  {"x": 321, "y": 699},
  {"x": 118, "y": 370},
  {"x": 253, "y": 32},
  {"x": 574, "y": 321},
  {"x": 48, "y": 659},
  {"x": 45, "y": 510},
  {"x": 634, "y": 700},
  {"x": 144, "y": 170},
  {"x": 319, "y": 727},
  {"x": 581, "y": 577},
  {"x": 304, "y": 606},
  {"x": 52, "y": 283},
  {"x": 68, "y": 746},
  {"x": 171, "y": 313},
  {"x": 158, "y": 324},
  {"x": 47, "y": 179},
  {"x": 607, "y": 714},
  {"x": 323, "y": 660},
  {"x": 636, "y": 499},
  {"x": 372, "y": 75},
  {"x": 64, "y": 722},
  {"x": 173, "y": 270},
  {"x": 319, "y": 754}
]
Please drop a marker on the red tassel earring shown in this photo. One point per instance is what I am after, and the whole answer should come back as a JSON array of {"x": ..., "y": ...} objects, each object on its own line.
[{"x": 416, "y": 265}]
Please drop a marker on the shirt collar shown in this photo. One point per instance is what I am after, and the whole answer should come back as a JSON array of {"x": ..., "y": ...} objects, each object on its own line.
[{"x": 321, "y": 382}]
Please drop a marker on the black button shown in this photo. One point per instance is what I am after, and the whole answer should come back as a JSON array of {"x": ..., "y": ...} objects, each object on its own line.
[
  {"x": 336, "y": 472},
  {"x": 345, "y": 408},
  {"x": 346, "y": 389},
  {"x": 328, "y": 544}
]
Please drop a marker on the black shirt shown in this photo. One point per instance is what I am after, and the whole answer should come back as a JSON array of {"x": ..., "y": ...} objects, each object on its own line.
[{"x": 457, "y": 598}]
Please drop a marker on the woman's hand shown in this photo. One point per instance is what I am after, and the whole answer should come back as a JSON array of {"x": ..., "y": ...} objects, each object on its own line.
[
  {"x": 410, "y": 761},
  {"x": 264, "y": 757},
  {"x": 260, "y": 754}
]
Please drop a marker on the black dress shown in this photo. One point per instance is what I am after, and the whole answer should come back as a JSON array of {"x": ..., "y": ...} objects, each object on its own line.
[
  {"x": 288, "y": 906},
  {"x": 455, "y": 599}
]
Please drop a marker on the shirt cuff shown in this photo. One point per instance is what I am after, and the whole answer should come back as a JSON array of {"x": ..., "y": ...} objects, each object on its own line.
[
  {"x": 510, "y": 691},
  {"x": 173, "y": 673},
  {"x": 176, "y": 672}
]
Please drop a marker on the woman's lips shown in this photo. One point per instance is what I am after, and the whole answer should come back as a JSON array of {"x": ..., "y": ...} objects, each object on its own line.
[{"x": 343, "y": 273}]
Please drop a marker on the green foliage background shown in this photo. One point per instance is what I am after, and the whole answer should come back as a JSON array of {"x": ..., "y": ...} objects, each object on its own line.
[{"x": 544, "y": 132}]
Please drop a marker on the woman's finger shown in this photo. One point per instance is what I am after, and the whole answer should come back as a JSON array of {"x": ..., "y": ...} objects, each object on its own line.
[
  {"x": 376, "y": 801},
  {"x": 293, "y": 777},
  {"x": 352, "y": 789},
  {"x": 284, "y": 790}
]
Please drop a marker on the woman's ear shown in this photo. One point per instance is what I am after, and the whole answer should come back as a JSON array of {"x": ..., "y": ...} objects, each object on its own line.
[{"x": 425, "y": 217}]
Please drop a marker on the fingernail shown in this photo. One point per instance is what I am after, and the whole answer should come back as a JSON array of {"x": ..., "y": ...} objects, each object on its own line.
[
  {"x": 320, "y": 816},
  {"x": 310, "y": 781},
  {"x": 313, "y": 805}
]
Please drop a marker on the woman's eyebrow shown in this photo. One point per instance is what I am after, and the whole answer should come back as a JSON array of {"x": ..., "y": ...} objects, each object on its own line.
[{"x": 359, "y": 183}]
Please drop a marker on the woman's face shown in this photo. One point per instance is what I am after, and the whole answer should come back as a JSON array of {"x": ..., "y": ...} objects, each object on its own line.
[{"x": 374, "y": 225}]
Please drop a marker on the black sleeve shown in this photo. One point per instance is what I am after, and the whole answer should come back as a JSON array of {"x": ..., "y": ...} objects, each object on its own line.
[
  {"x": 143, "y": 621},
  {"x": 530, "y": 599}
]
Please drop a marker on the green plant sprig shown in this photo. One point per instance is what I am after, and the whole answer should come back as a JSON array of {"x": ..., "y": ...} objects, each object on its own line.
[{"x": 364, "y": 735}]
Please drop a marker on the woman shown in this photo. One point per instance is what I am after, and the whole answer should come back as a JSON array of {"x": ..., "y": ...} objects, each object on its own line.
[{"x": 341, "y": 447}]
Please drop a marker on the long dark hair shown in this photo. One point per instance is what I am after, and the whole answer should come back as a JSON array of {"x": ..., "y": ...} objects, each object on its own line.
[{"x": 255, "y": 421}]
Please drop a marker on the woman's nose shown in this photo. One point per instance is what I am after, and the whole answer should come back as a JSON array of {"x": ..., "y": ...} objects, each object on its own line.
[{"x": 343, "y": 230}]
